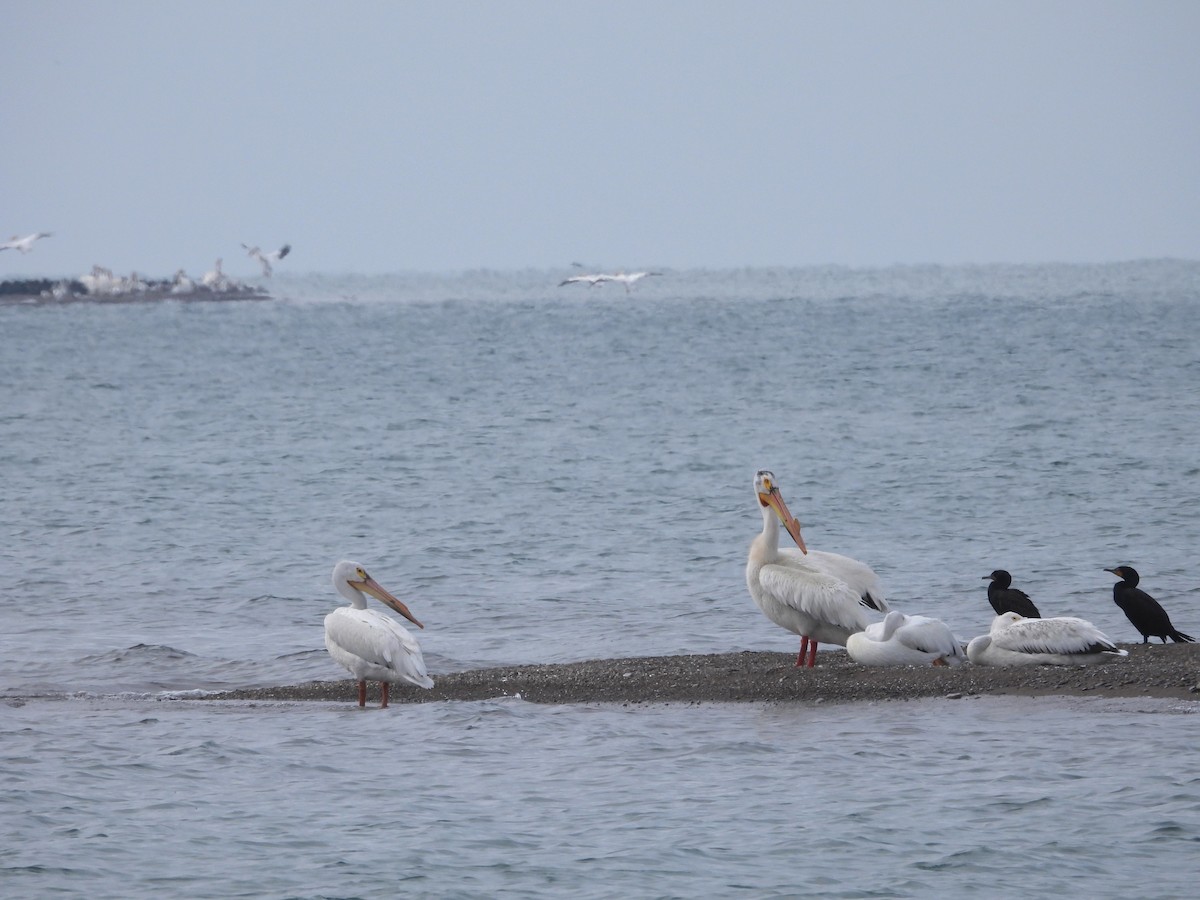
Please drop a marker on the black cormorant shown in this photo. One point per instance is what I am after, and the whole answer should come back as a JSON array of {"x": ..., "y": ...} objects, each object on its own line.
[
  {"x": 1008, "y": 599},
  {"x": 1143, "y": 610}
]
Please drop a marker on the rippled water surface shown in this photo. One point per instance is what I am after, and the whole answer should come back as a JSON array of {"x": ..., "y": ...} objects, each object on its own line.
[{"x": 550, "y": 475}]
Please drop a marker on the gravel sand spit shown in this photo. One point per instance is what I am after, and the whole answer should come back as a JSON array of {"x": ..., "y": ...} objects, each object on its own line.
[{"x": 1154, "y": 670}]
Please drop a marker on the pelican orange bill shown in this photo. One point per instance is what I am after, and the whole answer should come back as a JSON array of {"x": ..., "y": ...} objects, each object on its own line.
[
  {"x": 774, "y": 500},
  {"x": 376, "y": 590}
]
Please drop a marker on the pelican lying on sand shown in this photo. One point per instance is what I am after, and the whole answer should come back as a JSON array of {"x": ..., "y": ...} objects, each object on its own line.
[
  {"x": 823, "y": 597},
  {"x": 901, "y": 640},
  {"x": 1060, "y": 641},
  {"x": 369, "y": 644}
]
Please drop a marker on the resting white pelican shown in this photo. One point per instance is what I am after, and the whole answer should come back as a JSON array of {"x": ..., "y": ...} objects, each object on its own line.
[
  {"x": 25, "y": 244},
  {"x": 1059, "y": 641},
  {"x": 820, "y": 596},
  {"x": 901, "y": 640},
  {"x": 264, "y": 259},
  {"x": 368, "y": 643}
]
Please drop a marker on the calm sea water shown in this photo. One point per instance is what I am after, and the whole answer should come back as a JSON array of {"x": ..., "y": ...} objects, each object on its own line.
[{"x": 552, "y": 474}]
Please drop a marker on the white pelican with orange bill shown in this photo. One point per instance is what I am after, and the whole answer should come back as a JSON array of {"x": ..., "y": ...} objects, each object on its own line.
[
  {"x": 821, "y": 596},
  {"x": 372, "y": 646}
]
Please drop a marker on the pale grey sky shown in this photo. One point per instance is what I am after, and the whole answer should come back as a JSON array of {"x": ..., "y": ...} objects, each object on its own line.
[{"x": 436, "y": 136}]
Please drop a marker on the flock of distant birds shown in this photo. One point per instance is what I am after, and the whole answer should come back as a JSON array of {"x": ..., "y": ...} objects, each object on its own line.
[
  {"x": 102, "y": 282},
  {"x": 823, "y": 597}
]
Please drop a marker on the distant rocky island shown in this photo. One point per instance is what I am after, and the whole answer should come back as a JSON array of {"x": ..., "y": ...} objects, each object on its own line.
[{"x": 101, "y": 286}]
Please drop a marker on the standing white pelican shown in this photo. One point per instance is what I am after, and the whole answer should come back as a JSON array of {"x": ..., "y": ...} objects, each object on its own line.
[
  {"x": 1059, "y": 641},
  {"x": 216, "y": 280},
  {"x": 901, "y": 640},
  {"x": 25, "y": 244},
  {"x": 264, "y": 259},
  {"x": 181, "y": 284},
  {"x": 820, "y": 596},
  {"x": 368, "y": 643}
]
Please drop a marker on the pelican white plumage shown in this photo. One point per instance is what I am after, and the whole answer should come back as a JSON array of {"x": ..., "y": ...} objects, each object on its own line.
[
  {"x": 25, "y": 244},
  {"x": 629, "y": 279},
  {"x": 1059, "y": 641},
  {"x": 215, "y": 280},
  {"x": 589, "y": 280},
  {"x": 265, "y": 259},
  {"x": 821, "y": 596},
  {"x": 901, "y": 640},
  {"x": 181, "y": 284},
  {"x": 369, "y": 644}
]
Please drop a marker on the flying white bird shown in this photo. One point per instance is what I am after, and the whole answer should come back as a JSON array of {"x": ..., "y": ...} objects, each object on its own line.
[
  {"x": 1059, "y": 641},
  {"x": 823, "y": 597},
  {"x": 368, "y": 643},
  {"x": 901, "y": 640},
  {"x": 629, "y": 280},
  {"x": 589, "y": 280},
  {"x": 25, "y": 244},
  {"x": 265, "y": 259}
]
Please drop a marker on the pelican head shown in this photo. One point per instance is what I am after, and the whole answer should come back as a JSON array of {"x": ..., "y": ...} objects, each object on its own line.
[
  {"x": 1003, "y": 620},
  {"x": 351, "y": 581},
  {"x": 770, "y": 498}
]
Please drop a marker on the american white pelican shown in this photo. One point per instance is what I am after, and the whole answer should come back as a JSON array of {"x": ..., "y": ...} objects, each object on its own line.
[
  {"x": 181, "y": 284},
  {"x": 589, "y": 280},
  {"x": 1059, "y": 641},
  {"x": 901, "y": 640},
  {"x": 265, "y": 259},
  {"x": 820, "y": 596},
  {"x": 1005, "y": 598},
  {"x": 630, "y": 279},
  {"x": 25, "y": 244},
  {"x": 1143, "y": 611},
  {"x": 100, "y": 281},
  {"x": 368, "y": 643},
  {"x": 216, "y": 280}
]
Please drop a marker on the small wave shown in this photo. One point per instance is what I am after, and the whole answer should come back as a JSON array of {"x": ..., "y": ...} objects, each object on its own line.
[{"x": 138, "y": 653}]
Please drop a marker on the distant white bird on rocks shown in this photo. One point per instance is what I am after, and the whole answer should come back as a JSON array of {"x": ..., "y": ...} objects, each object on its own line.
[
  {"x": 181, "y": 284},
  {"x": 368, "y": 643},
  {"x": 100, "y": 281},
  {"x": 265, "y": 259},
  {"x": 1059, "y": 641},
  {"x": 901, "y": 640},
  {"x": 215, "y": 280},
  {"x": 818, "y": 595},
  {"x": 25, "y": 244}
]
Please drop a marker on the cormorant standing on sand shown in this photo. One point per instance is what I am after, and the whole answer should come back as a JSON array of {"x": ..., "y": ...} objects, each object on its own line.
[
  {"x": 1143, "y": 610},
  {"x": 1008, "y": 599}
]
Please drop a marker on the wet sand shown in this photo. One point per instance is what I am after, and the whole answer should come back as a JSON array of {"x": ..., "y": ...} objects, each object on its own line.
[{"x": 1155, "y": 670}]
